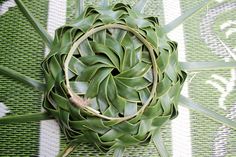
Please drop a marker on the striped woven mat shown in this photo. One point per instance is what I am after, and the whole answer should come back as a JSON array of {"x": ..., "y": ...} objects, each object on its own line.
[{"x": 209, "y": 35}]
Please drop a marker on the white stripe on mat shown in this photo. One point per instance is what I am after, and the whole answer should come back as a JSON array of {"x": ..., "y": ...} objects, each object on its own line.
[
  {"x": 180, "y": 127},
  {"x": 49, "y": 129},
  {"x": 3, "y": 109},
  {"x": 6, "y": 5}
]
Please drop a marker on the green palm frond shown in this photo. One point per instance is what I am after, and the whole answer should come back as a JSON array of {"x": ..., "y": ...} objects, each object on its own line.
[
  {"x": 112, "y": 77},
  {"x": 37, "y": 26}
]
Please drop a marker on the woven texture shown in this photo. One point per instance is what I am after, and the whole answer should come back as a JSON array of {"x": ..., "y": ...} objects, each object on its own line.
[
  {"x": 22, "y": 50},
  {"x": 205, "y": 40}
]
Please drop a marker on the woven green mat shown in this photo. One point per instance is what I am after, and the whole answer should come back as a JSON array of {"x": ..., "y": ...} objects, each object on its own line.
[
  {"x": 22, "y": 50},
  {"x": 203, "y": 43},
  {"x": 208, "y": 138}
]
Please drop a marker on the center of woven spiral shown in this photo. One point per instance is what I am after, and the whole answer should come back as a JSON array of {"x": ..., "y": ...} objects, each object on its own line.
[
  {"x": 113, "y": 66},
  {"x": 115, "y": 72}
]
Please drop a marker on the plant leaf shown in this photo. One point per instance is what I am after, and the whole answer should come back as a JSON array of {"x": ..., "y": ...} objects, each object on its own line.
[
  {"x": 25, "y": 118},
  {"x": 37, "y": 26},
  {"x": 96, "y": 81},
  {"x": 207, "y": 112},
  {"x": 172, "y": 25},
  {"x": 22, "y": 78},
  {"x": 99, "y": 48},
  {"x": 140, "y": 69},
  {"x": 199, "y": 66},
  {"x": 85, "y": 49},
  {"x": 119, "y": 151},
  {"x": 140, "y": 5},
  {"x": 69, "y": 149},
  {"x": 127, "y": 92},
  {"x": 157, "y": 139},
  {"x": 104, "y": 3},
  {"x": 137, "y": 83},
  {"x": 79, "y": 87},
  {"x": 113, "y": 96},
  {"x": 89, "y": 72},
  {"x": 79, "y": 8}
]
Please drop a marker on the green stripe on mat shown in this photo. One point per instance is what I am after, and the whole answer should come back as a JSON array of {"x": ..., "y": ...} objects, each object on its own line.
[{"x": 21, "y": 49}]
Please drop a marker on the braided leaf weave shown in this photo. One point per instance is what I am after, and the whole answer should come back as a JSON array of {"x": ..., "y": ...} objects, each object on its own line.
[{"x": 113, "y": 77}]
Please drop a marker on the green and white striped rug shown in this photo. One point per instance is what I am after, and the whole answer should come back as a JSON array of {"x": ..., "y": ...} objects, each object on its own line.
[{"x": 207, "y": 36}]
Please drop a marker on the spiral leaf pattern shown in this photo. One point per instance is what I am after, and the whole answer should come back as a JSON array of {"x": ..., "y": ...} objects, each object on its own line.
[{"x": 113, "y": 77}]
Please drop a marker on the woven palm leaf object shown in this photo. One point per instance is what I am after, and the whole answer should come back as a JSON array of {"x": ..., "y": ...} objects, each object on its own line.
[{"x": 112, "y": 78}]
